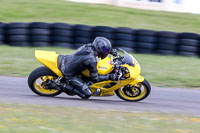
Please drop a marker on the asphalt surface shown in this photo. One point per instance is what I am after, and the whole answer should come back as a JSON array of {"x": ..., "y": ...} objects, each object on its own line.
[{"x": 164, "y": 100}]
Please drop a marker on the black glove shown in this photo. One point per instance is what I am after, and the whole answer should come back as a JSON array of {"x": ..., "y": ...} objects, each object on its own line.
[
  {"x": 113, "y": 77},
  {"x": 114, "y": 52}
]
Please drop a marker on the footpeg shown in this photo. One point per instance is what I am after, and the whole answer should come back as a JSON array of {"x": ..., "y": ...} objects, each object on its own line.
[
  {"x": 97, "y": 92},
  {"x": 52, "y": 85}
]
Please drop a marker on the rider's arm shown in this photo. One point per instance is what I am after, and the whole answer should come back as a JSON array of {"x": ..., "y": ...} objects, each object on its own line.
[{"x": 91, "y": 64}]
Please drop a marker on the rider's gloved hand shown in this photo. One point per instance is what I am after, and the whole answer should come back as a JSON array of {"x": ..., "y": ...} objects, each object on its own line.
[
  {"x": 113, "y": 77},
  {"x": 114, "y": 52}
]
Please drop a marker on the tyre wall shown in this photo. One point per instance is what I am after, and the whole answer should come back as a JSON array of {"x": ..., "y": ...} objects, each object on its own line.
[{"x": 41, "y": 34}]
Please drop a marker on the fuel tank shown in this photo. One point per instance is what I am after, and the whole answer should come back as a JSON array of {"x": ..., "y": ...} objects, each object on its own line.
[{"x": 103, "y": 66}]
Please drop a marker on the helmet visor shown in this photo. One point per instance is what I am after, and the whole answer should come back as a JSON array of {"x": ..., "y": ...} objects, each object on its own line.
[{"x": 106, "y": 50}]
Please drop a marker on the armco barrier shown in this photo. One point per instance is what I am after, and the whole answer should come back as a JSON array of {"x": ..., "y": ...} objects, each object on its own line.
[{"x": 73, "y": 36}]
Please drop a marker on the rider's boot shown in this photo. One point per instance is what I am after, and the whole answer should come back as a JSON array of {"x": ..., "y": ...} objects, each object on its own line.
[{"x": 81, "y": 86}]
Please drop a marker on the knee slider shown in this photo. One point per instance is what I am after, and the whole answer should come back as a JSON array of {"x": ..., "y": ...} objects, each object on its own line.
[{"x": 86, "y": 90}]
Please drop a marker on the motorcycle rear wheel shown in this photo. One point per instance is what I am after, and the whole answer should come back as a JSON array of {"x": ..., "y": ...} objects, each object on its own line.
[
  {"x": 144, "y": 91},
  {"x": 36, "y": 82}
]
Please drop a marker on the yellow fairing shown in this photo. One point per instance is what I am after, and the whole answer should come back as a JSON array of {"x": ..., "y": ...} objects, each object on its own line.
[
  {"x": 49, "y": 59},
  {"x": 134, "y": 78},
  {"x": 103, "y": 66}
]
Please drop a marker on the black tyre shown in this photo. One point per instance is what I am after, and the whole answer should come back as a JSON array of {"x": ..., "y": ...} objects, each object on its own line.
[
  {"x": 103, "y": 29},
  {"x": 167, "y": 34},
  {"x": 40, "y": 44},
  {"x": 144, "y": 32},
  {"x": 1, "y": 42},
  {"x": 61, "y": 26},
  {"x": 62, "y": 39},
  {"x": 189, "y": 54},
  {"x": 81, "y": 27},
  {"x": 103, "y": 34},
  {"x": 17, "y": 32},
  {"x": 83, "y": 34},
  {"x": 144, "y": 51},
  {"x": 166, "y": 47},
  {"x": 124, "y": 30},
  {"x": 40, "y": 38},
  {"x": 143, "y": 89},
  {"x": 124, "y": 43},
  {"x": 65, "y": 33},
  {"x": 42, "y": 73},
  {"x": 145, "y": 45},
  {"x": 21, "y": 44},
  {"x": 149, "y": 39},
  {"x": 125, "y": 37},
  {"x": 40, "y": 32},
  {"x": 82, "y": 40},
  {"x": 188, "y": 48},
  {"x": 18, "y": 25},
  {"x": 189, "y": 42},
  {"x": 2, "y": 25},
  {"x": 18, "y": 38},
  {"x": 1, "y": 37},
  {"x": 2, "y": 31},
  {"x": 165, "y": 40},
  {"x": 39, "y": 25},
  {"x": 188, "y": 35},
  {"x": 65, "y": 45}
]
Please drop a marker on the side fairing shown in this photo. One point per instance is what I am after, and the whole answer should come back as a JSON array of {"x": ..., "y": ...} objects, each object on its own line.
[{"x": 103, "y": 66}]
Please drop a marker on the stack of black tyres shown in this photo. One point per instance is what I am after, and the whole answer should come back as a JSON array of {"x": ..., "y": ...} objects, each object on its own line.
[
  {"x": 73, "y": 36},
  {"x": 82, "y": 35},
  {"x": 2, "y": 31},
  {"x": 62, "y": 35},
  {"x": 167, "y": 43},
  {"x": 17, "y": 34},
  {"x": 124, "y": 38},
  {"x": 39, "y": 34},
  {"x": 188, "y": 44},
  {"x": 104, "y": 31},
  {"x": 146, "y": 41}
]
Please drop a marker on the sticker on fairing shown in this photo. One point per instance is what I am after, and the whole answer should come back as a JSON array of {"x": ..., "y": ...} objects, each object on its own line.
[{"x": 102, "y": 67}]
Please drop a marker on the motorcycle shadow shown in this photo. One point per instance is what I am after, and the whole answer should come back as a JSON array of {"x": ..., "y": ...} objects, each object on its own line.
[{"x": 110, "y": 100}]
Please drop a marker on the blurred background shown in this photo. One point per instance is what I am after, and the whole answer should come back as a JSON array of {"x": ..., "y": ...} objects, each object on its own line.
[
  {"x": 187, "y": 6},
  {"x": 163, "y": 35}
]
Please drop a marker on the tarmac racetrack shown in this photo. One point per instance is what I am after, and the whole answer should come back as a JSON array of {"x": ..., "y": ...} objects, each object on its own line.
[{"x": 164, "y": 100}]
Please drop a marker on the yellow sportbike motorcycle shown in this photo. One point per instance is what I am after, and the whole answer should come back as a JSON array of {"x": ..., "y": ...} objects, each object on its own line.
[{"x": 130, "y": 86}]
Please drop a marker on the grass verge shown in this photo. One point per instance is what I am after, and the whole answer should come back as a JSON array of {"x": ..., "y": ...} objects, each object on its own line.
[
  {"x": 168, "y": 71},
  {"x": 82, "y": 13},
  {"x": 54, "y": 119}
]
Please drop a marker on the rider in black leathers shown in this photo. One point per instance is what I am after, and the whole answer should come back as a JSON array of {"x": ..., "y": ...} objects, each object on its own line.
[{"x": 85, "y": 58}]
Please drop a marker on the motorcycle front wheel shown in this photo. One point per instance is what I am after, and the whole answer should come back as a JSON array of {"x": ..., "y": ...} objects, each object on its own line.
[
  {"x": 134, "y": 93},
  {"x": 37, "y": 80}
]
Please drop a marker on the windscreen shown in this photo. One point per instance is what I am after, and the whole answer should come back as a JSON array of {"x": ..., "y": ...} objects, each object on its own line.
[{"x": 127, "y": 58}]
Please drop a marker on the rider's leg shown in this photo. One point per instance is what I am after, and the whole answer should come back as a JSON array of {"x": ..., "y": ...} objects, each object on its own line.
[{"x": 80, "y": 85}]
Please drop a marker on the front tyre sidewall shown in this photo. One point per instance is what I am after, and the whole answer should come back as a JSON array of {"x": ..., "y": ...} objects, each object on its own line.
[
  {"x": 147, "y": 86},
  {"x": 41, "y": 71}
]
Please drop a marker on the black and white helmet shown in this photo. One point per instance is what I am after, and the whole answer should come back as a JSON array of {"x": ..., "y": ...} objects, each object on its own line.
[{"x": 102, "y": 46}]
